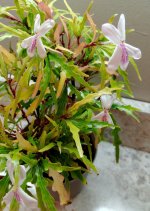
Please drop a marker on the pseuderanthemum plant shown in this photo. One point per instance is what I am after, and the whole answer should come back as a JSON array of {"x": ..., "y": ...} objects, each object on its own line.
[{"x": 53, "y": 113}]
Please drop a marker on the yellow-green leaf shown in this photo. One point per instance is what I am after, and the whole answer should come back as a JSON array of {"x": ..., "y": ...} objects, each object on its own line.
[
  {"x": 8, "y": 57},
  {"x": 69, "y": 9},
  {"x": 89, "y": 98},
  {"x": 33, "y": 106},
  {"x": 48, "y": 147},
  {"x": 24, "y": 144},
  {"x": 135, "y": 67},
  {"x": 75, "y": 133},
  {"x": 61, "y": 83},
  {"x": 37, "y": 85}
]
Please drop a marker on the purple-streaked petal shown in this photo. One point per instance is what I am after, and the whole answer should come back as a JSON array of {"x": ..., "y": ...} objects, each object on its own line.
[
  {"x": 112, "y": 33},
  {"x": 124, "y": 65},
  {"x": 27, "y": 42},
  {"x": 18, "y": 197},
  {"x": 31, "y": 53},
  {"x": 40, "y": 48},
  {"x": 8, "y": 197},
  {"x": 121, "y": 27},
  {"x": 103, "y": 116},
  {"x": 45, "y": 27},
  {"x": 98, "y": 116},
  {"x": 22, "y": 175},
  {"x": 28, "y": 201},
  {"x": 107, "y": 101},
  {"x": 124, "y": 58},
  {"x": 109, "y": 119},
  {"x": 10, "y": 169},
  {"x": 115, "y": 60},
  {"x": 37, "y": 23},
  {"x": 133, "y": 51}
]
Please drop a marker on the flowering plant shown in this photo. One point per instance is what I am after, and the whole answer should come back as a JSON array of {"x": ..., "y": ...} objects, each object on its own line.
[{"x": 49, "y": 98}]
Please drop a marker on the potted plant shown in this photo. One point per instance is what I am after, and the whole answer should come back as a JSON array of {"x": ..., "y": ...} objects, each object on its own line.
[{"x": 52, "y": 111}]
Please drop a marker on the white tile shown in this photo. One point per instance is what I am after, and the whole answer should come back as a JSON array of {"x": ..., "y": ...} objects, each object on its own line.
[{"x": 119, "y": 187}]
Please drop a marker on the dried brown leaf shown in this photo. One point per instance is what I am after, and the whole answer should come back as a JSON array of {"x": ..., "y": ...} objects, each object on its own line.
[
  {"x": 57, "y": 33},
  {"x": 79, "y": 49},
  {"x": 65, "y": 28},
  {"x": 58, "y": 186},
  {"x": 93, "y": 25},
  {"x": 46, "y": 9}
]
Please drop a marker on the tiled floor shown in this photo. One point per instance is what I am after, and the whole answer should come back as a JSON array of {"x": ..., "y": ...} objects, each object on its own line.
[{"x": 119, "y": 187}]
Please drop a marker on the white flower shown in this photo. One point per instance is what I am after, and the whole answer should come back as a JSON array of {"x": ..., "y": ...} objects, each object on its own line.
[
  {"x": 33, "y": 42},
  {"x": 2, "y": 79},
  {"x": 123, "y": 50},
  {"x": 9, "y": 76},
  {"x": 17, "y": 192},
  {"x": 107, "y": 101}
]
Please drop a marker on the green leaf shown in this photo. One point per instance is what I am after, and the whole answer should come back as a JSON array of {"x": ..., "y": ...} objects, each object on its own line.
[
  {"x": 128, "y": 109},
  {"x": 112, "y": 18},
  {"x": 70, "y": 10},
  {"x": 117, "y": 141},
  {"x": 79, "y": 175},
  {"x": 5, "y": 36},
  {"x": 103, "y": 75},
  {"x": 62, "y": 102},
  {"x": 40, "y": 200},
  {"x": 124, "y": 75},
  {"x": 70, "y": 69},
  {"x": 48, "y": 147},
  {"x": 89, "y": 164},
  {"x": 14, "y": 32},
  {"x": 82, "y": 24},
  {"x": 42, "y": 184},
  {"x": 135, "y": 67},
  {"x": 20, "y": 9},
  {"x": 4, "y": 150},
  {"x": 29, "y": 5},
  {"x": 2, "y": 164},
  {"x": 58, "y": 167},
  {"x": 75, "y": 133},
  {"x": 42, "y": 139},
  {"x": 27, "y": 159},
  {"x": 4, "y": 139},
  {"x": 46, "y": 77},
  {"x": 4, "y": 183}
]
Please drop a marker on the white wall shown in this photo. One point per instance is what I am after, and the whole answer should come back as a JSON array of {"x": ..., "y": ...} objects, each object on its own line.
[{"x": 137, "y": 14}]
